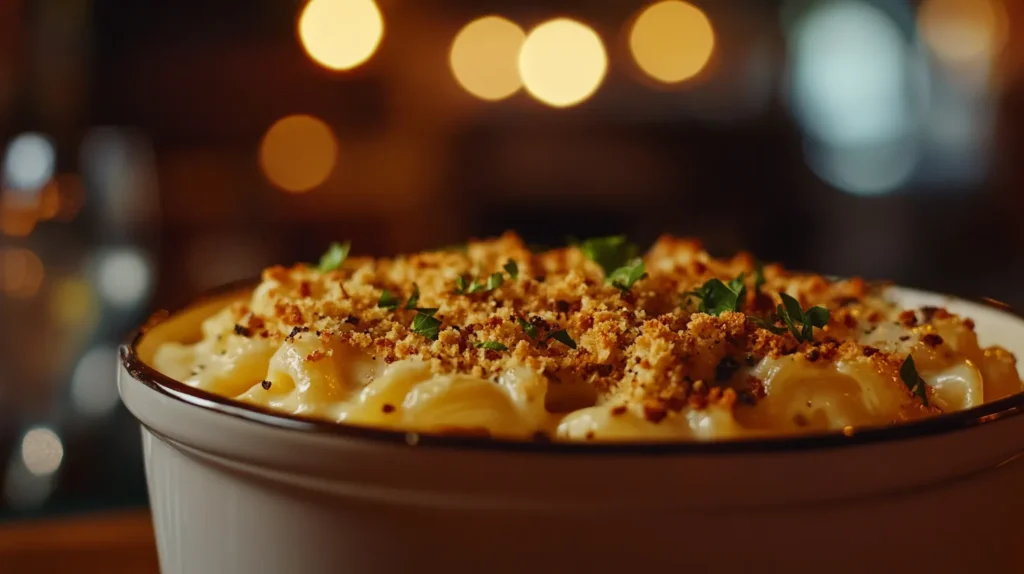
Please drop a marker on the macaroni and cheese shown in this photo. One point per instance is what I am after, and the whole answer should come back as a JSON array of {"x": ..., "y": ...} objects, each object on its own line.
[{"x": 588, "y": 342}]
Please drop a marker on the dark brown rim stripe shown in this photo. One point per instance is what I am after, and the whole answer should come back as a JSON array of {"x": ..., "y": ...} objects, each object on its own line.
[{"x": 998, "y": 410}]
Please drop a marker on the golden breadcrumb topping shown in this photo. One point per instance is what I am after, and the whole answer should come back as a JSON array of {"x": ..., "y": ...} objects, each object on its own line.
[{"x": 647, "y": 343}]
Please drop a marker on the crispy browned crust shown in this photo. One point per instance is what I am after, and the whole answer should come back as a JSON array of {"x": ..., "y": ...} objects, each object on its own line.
[{"x": 647, "y": 344}]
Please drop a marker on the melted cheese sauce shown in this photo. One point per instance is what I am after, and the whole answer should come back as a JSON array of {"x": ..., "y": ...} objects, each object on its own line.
[{"x": 331, "y": 381}]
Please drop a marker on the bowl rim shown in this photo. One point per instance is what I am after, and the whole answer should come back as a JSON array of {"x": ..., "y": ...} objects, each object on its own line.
[{"x": 143, "y": 373}]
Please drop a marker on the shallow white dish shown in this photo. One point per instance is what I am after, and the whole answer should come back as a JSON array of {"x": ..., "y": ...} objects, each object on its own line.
[{"x": 239, "y": 489}]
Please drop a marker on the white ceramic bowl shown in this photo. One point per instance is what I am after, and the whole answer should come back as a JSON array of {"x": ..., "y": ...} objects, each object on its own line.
[{"x": 239, "y": 489}]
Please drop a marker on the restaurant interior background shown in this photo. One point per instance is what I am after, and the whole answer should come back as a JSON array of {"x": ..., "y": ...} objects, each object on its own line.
[{"x": 152, "y": 150}]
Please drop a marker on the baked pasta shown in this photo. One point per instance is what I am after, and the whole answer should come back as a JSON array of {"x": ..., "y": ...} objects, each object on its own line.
[{"x": 587, "y": 342}]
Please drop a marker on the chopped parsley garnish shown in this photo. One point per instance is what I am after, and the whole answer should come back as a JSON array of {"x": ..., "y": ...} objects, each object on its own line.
[
  {"x": 529, "y": 328},
  {"x": 476, "y": 286},
  {"x": 759, "y": 280},
  {"x": 624, "y": 277},
  {"x": 791, "y": 314},
  {"x": 914, "y": 382},
  {"x": 494, "y": 281},
  {"x": 490, "y": 345},
  {"x": 562, "y": 337},
  {"x": 609, "y": 252},
  {"x": 617, "y": 258},
  {"x": 512, "y": 269},
  {"x": 334, "y": 256},
  {"x": 388, "y": 301},
  {"x": 414, "y": 299},
  {"x": 425, "y": 324},
  {"x": 717, "y": 297}
]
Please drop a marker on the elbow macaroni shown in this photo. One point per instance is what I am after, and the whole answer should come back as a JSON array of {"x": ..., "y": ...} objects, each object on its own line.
[{"x": 316, "y": 344}]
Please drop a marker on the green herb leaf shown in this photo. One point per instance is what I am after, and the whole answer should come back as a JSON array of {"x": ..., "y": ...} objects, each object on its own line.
[
  {"x": 490, "y": 345},
  {"x": 388, "y": 301},
  {"x": 494, "y": 281},
  {"x": 529, "y": 328},
  {"x": 914, "y": 382},
  {"x": 768, "y": 324},
  {"x": 334, "y": 256},
  {"x": 817, "y": 316},
  {"x": 461, "y": 285},
  {"x": 609, "y": 252},
  {"x": 717, "y": 297},
  {"x": 414, "y": 299},
  {"x": 792, "y": 307},
  {"x": 425, "y": 324},
  {"x": 475, "y": 286},
  {"x": 791, "y": 313},
  {"x": 759, "y": 279},
  {"x": 512, "y": 269},
  {"x": 428, "y": 311},
  {"x": 562, "y": 337},
  {"x": 624, "y": 277}
]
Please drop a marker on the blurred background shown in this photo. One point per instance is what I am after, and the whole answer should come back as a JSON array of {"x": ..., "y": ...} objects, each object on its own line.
[{"x": 151, "y": 150}]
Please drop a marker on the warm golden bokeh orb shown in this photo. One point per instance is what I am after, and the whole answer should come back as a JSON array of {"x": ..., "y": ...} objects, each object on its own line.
[
  {"x": 341, "y": 34},
  {"x": 484, "y": 57},
  {"x": 298, "y": 153},
  {"x": 562, "y": 62},
  {"x": 672, "y": 41}
]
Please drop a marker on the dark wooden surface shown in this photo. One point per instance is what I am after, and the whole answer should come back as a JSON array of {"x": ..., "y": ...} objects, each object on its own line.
[{"x": 112, "y": 543}]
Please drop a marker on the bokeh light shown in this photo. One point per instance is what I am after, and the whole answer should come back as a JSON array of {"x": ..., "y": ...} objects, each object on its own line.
[
  {"x": 562, "y": 62},
  {"x": 484, "y": 57},
  {"x": 21, "y": 272},
  {"x": 42, "y": 451},
  {"x": 29, "y": 162},
  {"x": 964, "y": 31},
  {"x": 672, "y": 41},
  {"x": 72, "y": 302},
  {"x": 850, "y": 73},
  {"x": 17, "y": 221},
  {"x": 341, "y": 34},
  {"x": 122, "y": 276},
  {"x": 298, "y": 153},
  {"x": 94, "y": 381}
]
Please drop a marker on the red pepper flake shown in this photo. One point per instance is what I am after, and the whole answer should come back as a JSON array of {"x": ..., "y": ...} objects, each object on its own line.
[
  {"x": 655, "y": 412},
  {"x": 908, "y": 318},
  {"x": 265, "y": 385},
  {"x": 869, "y": 351},
  {"x": 969, "y": 323},
  {"x": 590, "y": 435},
  {"x": 850, "y": 321},
  {"x": 387, "y": 408},
  {"x": 928, "y": 313},
  {"x": 586, "y": 322},
  {"x": 619, "y": 410},
  {"x": 812, "y": 355},
  {"x": 304, "y": 289},
  {"x": 931, "y": 339}
]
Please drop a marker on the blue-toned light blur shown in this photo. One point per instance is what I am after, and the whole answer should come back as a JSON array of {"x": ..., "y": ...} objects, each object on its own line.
[
  {"x": 123, "y": 276},
  {"x": 94, "y": 381},
  {"x": 849, "y": 65},
  {"x": 29, "y": 162},
  {"x": 858, "y": 89}
]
